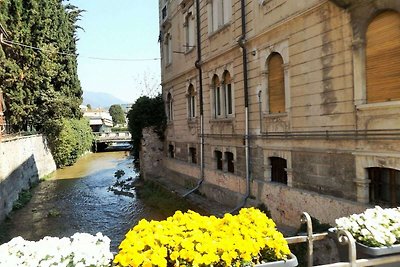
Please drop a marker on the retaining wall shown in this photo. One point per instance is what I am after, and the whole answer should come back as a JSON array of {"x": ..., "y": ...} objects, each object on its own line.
[{"x": 23, "y": 160}]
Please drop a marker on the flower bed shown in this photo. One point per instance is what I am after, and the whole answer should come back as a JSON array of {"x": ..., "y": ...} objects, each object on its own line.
[
  {"x": 80, "y": 250},
  {"x": 375, "y": 227},
  {"x": 189, "y": 239}
]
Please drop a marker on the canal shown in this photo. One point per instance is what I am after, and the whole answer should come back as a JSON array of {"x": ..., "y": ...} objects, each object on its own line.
[{"x": 77, "y": 199}]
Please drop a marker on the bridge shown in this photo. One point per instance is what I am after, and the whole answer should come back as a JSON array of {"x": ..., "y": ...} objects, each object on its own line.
[{"x": 104, "y": 140}]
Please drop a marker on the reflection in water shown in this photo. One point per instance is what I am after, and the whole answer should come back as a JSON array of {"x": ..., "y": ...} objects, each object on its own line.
[{"x": 77, "y": 199}]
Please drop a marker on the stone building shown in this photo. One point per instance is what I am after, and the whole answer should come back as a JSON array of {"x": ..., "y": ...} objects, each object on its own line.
[{"x": 294, "y": 104}]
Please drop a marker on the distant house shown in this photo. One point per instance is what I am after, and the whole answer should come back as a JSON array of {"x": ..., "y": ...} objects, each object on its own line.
[{"x": 100, "y": 121}]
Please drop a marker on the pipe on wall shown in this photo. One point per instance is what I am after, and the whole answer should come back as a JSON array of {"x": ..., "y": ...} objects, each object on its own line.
[
  {"x": 242, "y": 44},
  {"x": 198, "y": 66}
]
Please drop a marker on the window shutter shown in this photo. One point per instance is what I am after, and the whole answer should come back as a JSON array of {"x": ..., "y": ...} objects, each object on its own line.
[
  {"x": 383, "y": 58},
  {"x": 276, "y": 84}
]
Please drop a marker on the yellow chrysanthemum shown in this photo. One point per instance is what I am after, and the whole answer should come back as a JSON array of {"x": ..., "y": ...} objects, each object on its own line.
[{"x": 189, "y": 239}]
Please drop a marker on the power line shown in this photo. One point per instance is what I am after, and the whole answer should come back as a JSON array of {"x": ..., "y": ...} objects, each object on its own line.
[
  {"x": 11, "y": 43},
  {"x": 121, "y": 59}
]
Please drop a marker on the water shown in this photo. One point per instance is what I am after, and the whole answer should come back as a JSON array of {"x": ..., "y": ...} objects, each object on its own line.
[{"x": 77, "y": 199}]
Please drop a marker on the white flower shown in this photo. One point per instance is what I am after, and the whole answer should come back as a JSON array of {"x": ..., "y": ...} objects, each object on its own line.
[
  {"x": 80, "y": 250},
  {"x": 374, "y": 227}
]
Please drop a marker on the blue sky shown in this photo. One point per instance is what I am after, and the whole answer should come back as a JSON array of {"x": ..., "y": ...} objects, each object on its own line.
[{"x": 125, "y": 29}]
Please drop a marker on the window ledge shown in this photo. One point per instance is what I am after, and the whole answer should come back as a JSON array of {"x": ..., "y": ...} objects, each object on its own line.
[
  {"x": 275, "y": 115},
  {"x": 380, "y": 105},
  {"x": 192, "y": 121},
  {"x": 220, "y": 29},
  {"x": 189, "y": 51},
  {"x": 224, "y": 120},
  {"x": 168, "y": 65}
]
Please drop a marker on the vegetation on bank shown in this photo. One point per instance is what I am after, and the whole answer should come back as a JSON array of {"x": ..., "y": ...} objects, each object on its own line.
[
  {"x": 146, "y": 112},
  {"x": 39, "y": 84},
  {"x": 68, "y": 139}
]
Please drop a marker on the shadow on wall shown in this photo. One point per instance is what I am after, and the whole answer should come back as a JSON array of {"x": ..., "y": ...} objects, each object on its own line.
[{"x": 21, "y": 178}]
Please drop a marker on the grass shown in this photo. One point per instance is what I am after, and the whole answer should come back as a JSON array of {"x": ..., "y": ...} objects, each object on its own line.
[
  {"x": 23, "y": 198},
  {"x": 158, "y": 197}
]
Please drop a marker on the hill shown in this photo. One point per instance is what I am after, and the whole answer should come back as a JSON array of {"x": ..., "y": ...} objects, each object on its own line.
[{"x": 100, "y": 99}]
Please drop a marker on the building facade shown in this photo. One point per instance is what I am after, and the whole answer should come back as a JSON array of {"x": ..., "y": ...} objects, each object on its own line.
[{"x": 294, "y": 104}]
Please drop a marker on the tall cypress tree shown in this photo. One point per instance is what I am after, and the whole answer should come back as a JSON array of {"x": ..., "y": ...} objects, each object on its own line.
[{"x": 40, "y": 84}]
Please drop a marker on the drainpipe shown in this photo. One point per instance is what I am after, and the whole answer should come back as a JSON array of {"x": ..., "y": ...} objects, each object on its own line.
[
  {"x": 260, "y": 111},
  {"x": 198, "y": 66},
  {"x": 242, "y": 44}
]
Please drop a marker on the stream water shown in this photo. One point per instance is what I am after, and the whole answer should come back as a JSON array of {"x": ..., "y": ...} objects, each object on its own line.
[{"x": 77, "y": 199}]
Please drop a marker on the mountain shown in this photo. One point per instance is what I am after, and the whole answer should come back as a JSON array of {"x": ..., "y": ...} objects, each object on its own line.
[{"x": 100, "y": 99}]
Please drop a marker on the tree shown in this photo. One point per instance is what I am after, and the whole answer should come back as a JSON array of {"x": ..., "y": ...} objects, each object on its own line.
[
  {"x": 146, "y": 112},
  {"x": 117, "y": 114},
  {"x": 41, "y": 83},
  {"x": 89, "y": 107}
]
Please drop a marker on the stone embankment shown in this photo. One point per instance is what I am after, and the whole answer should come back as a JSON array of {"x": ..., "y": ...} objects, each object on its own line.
[{"x": 23, "y": 160}]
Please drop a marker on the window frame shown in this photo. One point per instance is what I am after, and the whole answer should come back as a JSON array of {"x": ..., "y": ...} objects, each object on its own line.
[
  {"x": 230, "y": 161},
  {"x": 228, "y": 94},
  {"x": 189, "y": 26},
  {"x": 170, "y": 107},
  {"x": 282, "y": 77},
  {"x": 193, "y": 155},
  {"x": 276, "y": 164},
  {"x": 191, "y": 102},
  {"x": 376, "y": 176},
  {"x": 171, "y": 151},
  {"x": 168, "y": 49},
  {"x": 220, "y": 14},
  {"x": 219, "y": 163}
]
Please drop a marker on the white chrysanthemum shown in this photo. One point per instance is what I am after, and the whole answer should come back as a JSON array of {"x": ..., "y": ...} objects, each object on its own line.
[
  {"x": 81, "y": 250},
  {"x": 374, "y": 227}
]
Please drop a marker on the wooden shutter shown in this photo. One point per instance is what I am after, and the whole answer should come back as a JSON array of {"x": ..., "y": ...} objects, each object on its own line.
[
  {"x": 383, "y": 58},
  {"x": 276, "y": 84}
]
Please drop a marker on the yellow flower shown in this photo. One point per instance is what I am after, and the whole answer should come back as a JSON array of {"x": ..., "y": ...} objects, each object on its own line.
[{"x": 189, "y": 239}]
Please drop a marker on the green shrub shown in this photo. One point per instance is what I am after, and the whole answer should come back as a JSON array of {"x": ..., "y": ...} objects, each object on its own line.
[
  {"x": 68, "y": 139},
  {"x": 146, "y": 112}
]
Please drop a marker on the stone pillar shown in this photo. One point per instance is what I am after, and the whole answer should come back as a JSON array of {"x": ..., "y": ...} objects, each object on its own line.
[
  {"x": 362, "y": 190},
  {"x": 360, "y": 87},
  {"x": 289, "y": 173}
]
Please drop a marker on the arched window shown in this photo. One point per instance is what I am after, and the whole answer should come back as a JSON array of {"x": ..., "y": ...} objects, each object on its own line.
[
  {"x": 278, "y": 170},
  {"x": 228, "y": 94},
  {"x": 170, "y": 107},
  {"x": 217, "y": 92},
  {"x": 384, "y": 187},
  {"x": 276, "y": 84},
  {"x": 191, "y": 100},
  {"x": 383, "y": 58}
]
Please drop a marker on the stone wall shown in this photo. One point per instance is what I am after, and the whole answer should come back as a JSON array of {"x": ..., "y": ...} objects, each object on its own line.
[
  {"x": 151, "y": 154},
  {"x": 23, "y": 160}
]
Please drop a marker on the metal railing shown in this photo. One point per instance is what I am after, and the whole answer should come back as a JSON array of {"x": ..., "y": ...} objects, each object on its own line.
[{"x": 344, "y": 238}]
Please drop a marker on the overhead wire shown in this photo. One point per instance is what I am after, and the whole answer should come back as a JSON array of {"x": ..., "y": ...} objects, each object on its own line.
[{"x": 11, "y": 43}]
